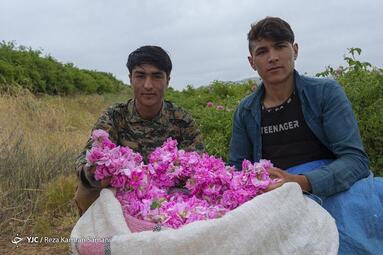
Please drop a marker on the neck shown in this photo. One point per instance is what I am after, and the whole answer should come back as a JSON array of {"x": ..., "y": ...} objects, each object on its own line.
[
  {"x": 276, "y": 94},
  {"x": 146, "y": 112}
]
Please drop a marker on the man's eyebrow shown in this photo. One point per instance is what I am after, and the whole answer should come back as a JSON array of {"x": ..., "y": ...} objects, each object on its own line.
[
  {"x": 148, "y": 73},
  {"x": 157, "y": 73},
  {"x": 280, "y": 42},
  {"x": 260, "y": 48}
]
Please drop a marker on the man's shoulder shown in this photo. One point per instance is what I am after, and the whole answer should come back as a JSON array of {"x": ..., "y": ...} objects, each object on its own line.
[
  {"x": 175, "y": 112},
  {"x": 319, "y": 91},
  {"x": 248, "y": 101},
  {"x": 172, "y": 106},
  {"x": 117, "y": 113},
  {"x": 118, "y": 107},
  {"x": 315, "y": 83}
]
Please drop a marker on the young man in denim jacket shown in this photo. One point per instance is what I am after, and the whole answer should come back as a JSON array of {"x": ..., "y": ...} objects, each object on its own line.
[
  {"x": 307, "y": 128},
  {"x": 292, "y": 119}
]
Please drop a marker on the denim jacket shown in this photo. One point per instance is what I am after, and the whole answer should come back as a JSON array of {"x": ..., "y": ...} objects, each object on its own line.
[{"x": 329, "y": 115}]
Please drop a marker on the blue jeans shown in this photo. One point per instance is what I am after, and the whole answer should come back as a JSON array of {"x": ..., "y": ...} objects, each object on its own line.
[{"x": 358, "y": 212}]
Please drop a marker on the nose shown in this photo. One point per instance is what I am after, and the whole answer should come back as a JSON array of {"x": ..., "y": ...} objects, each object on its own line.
[
  {"x": 273, "y": 56},
  {"x": 148, "y": 85}
]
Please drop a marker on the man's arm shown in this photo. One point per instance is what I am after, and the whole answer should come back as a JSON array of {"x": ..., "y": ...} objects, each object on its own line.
[
  {"x": 89, "y": 189},
  {"x": 240, "y": 145},
  {"x": 342, "y": 132},
  {"x": 85, "y": 175}
]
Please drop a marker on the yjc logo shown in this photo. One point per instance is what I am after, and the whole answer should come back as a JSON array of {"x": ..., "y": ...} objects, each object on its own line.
[
  {"x": 17, "y": 240},
  {"x": 33, "y": 239}
]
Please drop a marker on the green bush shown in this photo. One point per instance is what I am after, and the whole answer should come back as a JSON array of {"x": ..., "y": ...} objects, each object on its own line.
[
  {"x": 27, "y": 68},
  {"x": 363, "y": 85},
  {"x": 215, "y": 124}
]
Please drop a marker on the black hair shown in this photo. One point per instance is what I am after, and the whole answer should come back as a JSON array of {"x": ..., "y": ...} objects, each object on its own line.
[
  {"x": 273, "y": 28},
  {"x": 152, "y": 55}
]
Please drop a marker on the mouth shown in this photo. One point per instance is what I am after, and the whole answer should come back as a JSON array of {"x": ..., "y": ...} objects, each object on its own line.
[
  {"x": 274, "y": 68},
  {"x": 148, "y": 94}
]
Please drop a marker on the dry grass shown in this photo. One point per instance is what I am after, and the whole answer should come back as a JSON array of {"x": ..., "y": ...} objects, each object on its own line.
[{"x": 39, "y": 140}]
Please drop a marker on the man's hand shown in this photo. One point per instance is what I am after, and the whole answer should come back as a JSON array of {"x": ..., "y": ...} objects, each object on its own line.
[
  {"x": 284, "y": 177},
  {"x": 103, "y": 183}
]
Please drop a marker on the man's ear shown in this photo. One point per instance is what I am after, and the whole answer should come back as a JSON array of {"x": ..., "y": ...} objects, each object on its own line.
[
  {"x": 168, "y": 80},
  {"x": 250, "y": 58},
  {"x": 295, "y": 48},
  {"x": 130, "y": 79}
]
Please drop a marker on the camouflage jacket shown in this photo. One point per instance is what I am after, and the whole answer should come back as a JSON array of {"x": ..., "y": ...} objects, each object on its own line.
[{"x": 126, "y": 128}]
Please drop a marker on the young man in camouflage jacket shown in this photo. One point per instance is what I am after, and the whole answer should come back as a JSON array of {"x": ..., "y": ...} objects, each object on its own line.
[{"x": 143, "y": 123}]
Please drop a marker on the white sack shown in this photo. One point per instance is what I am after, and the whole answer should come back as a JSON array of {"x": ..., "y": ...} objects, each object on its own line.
[{"x": 282, "y": 221}]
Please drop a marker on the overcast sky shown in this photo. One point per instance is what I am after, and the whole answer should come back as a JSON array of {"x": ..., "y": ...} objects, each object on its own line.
[{"x": 205, "y": 39}]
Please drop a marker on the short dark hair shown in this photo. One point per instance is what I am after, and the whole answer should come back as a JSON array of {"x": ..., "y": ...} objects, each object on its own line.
[
  {"x": 152, "y": 55},
  {"x": 273, "y": 28}
]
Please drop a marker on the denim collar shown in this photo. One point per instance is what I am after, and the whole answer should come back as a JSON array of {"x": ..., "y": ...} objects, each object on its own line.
[{"x": 254, "y": 103}]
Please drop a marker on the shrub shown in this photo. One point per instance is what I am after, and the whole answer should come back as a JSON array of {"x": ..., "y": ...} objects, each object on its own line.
[
  {"x": 28, "y": 68},
  {"x": 363, "y": 85},
  {"x": 215, "y": 124}
]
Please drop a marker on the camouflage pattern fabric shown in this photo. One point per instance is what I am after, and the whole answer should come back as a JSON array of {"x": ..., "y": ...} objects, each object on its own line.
[{"x": 127, "y": 128}]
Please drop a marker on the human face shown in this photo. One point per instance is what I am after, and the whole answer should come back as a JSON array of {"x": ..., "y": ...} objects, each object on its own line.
[
  {"x": 274, "y": 61},
  {"x": 149, "y": 85}
]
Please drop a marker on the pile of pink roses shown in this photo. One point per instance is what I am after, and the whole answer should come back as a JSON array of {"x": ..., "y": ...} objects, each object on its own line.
[{"x": 175, "y": 187}]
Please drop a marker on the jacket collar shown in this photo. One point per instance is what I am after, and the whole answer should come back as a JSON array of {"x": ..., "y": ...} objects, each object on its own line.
[
  {"x": 255, "y": 98},
  {"x": 135, "y": 117}
]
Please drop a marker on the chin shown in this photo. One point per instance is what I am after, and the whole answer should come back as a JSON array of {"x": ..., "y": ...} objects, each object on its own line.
[
  {"x": 149, "y": 102},
  {"x": 278, "y": 79}
]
